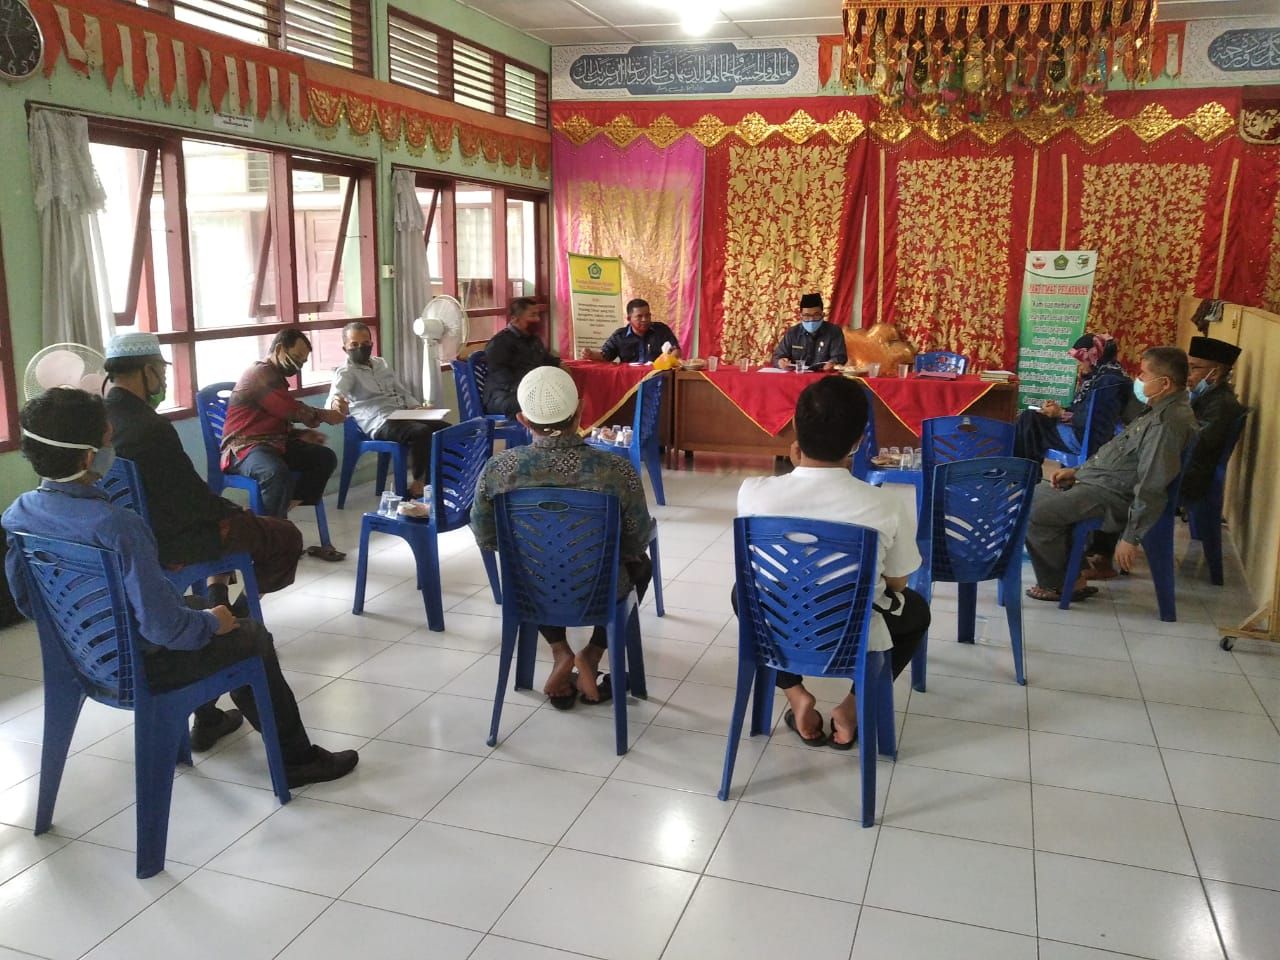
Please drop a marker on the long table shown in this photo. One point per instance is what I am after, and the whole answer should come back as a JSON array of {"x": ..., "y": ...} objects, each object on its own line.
[{"x": 608, "y": 394}]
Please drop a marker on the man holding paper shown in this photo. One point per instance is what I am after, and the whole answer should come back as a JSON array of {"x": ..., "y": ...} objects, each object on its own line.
[{"x": 373, "y": 393}]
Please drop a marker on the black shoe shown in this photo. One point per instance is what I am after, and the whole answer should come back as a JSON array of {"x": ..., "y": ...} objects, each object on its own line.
[
  {"x": 205, "y": 735},
  {"x": 217, "y": 595},
  {"x": 241, "y": 607},
  {"x": 320, "y": 767}
]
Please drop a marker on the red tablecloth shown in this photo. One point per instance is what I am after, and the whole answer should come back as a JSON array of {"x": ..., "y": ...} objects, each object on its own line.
[
  {"x": 769, "y": 399},
  {"x": 604, "y": 387},
  {"x": 912, "y": 399}
]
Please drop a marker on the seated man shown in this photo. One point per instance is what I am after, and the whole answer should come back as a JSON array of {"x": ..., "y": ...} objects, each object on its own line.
[
  {"x": 1054, "y": 428},
  {"x": 640, "y": 341},
  {"x": 1124, "y": 483},
  {"x": 559, "y": 457},
  {"x": 67, "y": 439},
  {"x": 831, "y": 416},
  {"x": 812, "y": 343},
  {"x": 190, "y": 523},
  {"x": 370, "y": 389},
  {"x": 513, "y": 352},
  {"x": 258, "y": 442}
]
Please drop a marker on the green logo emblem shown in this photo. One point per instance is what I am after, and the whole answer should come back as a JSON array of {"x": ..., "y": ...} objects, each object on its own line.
[
  {"x": 594, "y": 271},
  {"x": 1060, "y": 262}
]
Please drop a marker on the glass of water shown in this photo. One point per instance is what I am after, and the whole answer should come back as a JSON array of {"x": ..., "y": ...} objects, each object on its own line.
[{"x": 390, "y": 503}]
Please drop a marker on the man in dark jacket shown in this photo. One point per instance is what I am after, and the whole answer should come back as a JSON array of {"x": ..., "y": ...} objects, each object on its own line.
[
  {"x": 813, "y": 342},
  {"x": 512, "y": 353},
  {"x": 1213, "y": 401}
]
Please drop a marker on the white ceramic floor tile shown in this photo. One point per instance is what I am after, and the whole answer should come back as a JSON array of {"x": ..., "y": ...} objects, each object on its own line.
[
  {"x": 1105, "y": 678},
  {"x": 244, "y": 760},
  {"x": 1056, "y": 950},
  {"x": 1235, "y": 848},
  {"x": 1084, "y": 715},
  {"x": 1225, "y": 783},
  {"x": 18, "y": 760},
  {"x": 835, "y": 864},
  {"x": 358, "y": 709},
  {"x": 450, "y": 875},
  {"x": 632, "y": 821},
  {"x": 706, "y": 708},
  {"x": 958, "y": 698},
  {"x": 612, "y": 929},
  {"x": 461, "y": 632},
  {"x": 20, "y": 848},
  {"x": 990, "y": 660},
  {"x": 92, "y": 790},
  {"x": 18, "y": 696},
  {"x": 1098, "y": 826},
  {"x": 581, "y": 740},
  {"x": 1249, "y": 918},
  {"x": 939, "y": 877},
  {"x": 397, "y": 778},
  {"x": 414, "y": 665},
  {"x": 960, "y": 805},
  {"x": 347, "y": 930},
  {"x": 683, "y": 760},
  {"x": 739, "y": 921},
  {"x": 549, "y": 801},
  {"x": 1149, "y": 914},
  {"x": 1103, "y": 766},
  {"x": 327, "y": 654},
  {"x": 1195, "y": 687},
  {"x": 460, "y": 724},
  {"x": 374, "y": 624},
  {"x": 814, "y": 779},
  {"x": 1216, "y": 731},
  {"x": 312, "y": 846},
  {"x": 95, "y": 723},
  {"x": 978, "y": 748},
  {"x": 480, "y": 681},
  {"x": 1179, "y": 652},
  {"x": 903, "y": 936},
  {"x": 92, "y": 884},
  {"x": 235, "y": 917}
]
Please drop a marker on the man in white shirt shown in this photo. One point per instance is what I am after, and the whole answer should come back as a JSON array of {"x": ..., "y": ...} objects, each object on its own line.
[
  {"x": 831, "y": 416},
  {"x": 372, "y": 390}
]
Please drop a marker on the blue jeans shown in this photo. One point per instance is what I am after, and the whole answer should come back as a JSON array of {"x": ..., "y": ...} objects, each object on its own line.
[{"x": 314, "y": 463}]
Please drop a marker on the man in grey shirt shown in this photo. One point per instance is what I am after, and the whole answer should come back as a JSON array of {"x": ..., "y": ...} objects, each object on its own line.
[
  {"x": 372, "y": 390},
  {"x": 1125, "y": 483}
]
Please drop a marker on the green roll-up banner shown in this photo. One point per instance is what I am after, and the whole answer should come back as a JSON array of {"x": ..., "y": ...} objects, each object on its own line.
[{"x": 1056, "y": 288}]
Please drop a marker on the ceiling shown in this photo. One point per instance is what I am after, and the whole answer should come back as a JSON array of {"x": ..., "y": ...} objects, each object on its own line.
[{"x": 565, "y": 22}]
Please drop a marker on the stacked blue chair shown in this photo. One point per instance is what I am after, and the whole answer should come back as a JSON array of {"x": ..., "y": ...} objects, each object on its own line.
[
  {"x": 948, "y": 439},
  {"x": 211, "y": 405},
  {"x": 805, "y": 589},
  {"x": 975, "y": 530},
  {"x": 861, "y": 466},
  {"x": 124, "y": 489},
  {"x": 558, "y": 549},
  {"x": 644, "y": 451},
  {"x": 458, "y": 457},
  {"x": 1102, "y": 421},
  {"x": 90, "y": 647},
  {"x": 1205, "y": 514},
  {"x": 942, "y": 361},
  {"x": 1157, "y": 545},
  {"x": 468, "y": 380},
  {"x": 355, "y": 444}
]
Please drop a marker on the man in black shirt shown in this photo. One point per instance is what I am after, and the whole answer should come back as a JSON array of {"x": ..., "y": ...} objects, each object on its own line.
[
  {"x": 512, "y": 353},
  {"x": 1214, "y": 402},
  {"x": 813, "y": 342},
  {"x": 640, "y": 341}
]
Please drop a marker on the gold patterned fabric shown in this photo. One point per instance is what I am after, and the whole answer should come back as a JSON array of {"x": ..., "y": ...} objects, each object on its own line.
[
  {"x": 1147, "y": 222},
  {"x": 954, "y": 217},
  {"x": 1271, "y": 286},
  {"x": 784, "y": 208}
]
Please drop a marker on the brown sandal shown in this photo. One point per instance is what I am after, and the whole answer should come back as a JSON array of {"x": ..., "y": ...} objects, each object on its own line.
[
  {"x": 326, "y": 552},
  {"x": 1038, "y": 592}
]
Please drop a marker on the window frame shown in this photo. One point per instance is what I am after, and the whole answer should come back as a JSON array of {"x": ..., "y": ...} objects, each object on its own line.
[
  {"x": 184, "y": 336},
  {"x": 447, "y": 71},
  {"x": 10, "y": 438}
]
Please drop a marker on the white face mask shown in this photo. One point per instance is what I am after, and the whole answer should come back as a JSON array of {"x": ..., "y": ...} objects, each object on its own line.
[{"x": 103, "y": 457}]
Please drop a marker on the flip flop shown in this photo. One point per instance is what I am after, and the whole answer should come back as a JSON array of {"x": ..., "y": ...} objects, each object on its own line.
[
  {"x": 567, "y": 700},
  {"x": 1085, "y": 592},
  {"x": 836, "y": 745},
  {"x": 326, "y": 552},
  {"x": 604, "y": 687},
  {"x": 789, "y": 718},
  {"x": 1055, "y": 596}
]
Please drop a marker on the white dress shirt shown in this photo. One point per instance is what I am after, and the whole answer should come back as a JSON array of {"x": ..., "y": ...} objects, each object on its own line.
[{"x": 373, "y": 392}]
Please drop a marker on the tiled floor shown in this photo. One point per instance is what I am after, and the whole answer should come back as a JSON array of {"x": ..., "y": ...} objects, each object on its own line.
[{"x": 1125, "y": 803}]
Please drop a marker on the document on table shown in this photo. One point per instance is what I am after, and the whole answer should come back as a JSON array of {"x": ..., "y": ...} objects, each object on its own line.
[{"x": 420, "y": 413}]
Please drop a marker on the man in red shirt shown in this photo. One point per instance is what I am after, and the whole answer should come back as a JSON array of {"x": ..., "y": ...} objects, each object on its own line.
[{"x": 259, "y": 441}]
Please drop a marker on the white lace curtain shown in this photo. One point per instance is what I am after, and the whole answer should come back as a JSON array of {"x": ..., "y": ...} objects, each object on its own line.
[
  {"x": 76, "y": 301},
  {"x": 413, "y": 283}
]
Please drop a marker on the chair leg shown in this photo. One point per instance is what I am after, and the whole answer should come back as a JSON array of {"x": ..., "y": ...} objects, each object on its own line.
[
  {"x": 653, "y": 461},
  {"x": 968, "y": 616},
  {"x": 656, "y": 584},
  {"x": 270, "y": 733},
  {"x": 868, "y": 715},
  {"x": 349, "y": 458},
  {"x": 1159, "y": 551},
  {"x": 886, "y": 730},
  {"x": 322, "y": 521},
  {"x": 510, "y": 632},
  {"x": 252, "y": 595},
  {"x": 636, "y": 682},
  {"x": 920, "y": 660},
  {"x": 1013, "y": 614},
  {"x": 62, "y": 702},
  {"x": 618, "y": 669},
  {"x": 746, "y": 678},
  {"x": 1206, "y": 525},
  {"x": 526, "y": 656},
  {"x": 362, "y": 569},
  {"x": 762, "y": 702},
  {"x": 426, "y": 552},
  {"x": 380, "y": 481},
  {"x": 491, "y": 570},
  {"x": 156, "y": 738},
  {"x": 401, "y": 473},
  {"x": 1079, "y": 538}
]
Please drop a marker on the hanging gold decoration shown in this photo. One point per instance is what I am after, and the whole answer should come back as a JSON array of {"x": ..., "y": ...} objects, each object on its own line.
[{"x": 947, "y": 58}]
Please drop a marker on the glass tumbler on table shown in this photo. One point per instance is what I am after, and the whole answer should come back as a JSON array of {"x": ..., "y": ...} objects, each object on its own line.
[
  {"x": 713, "y": 364},
  {"x": 389, "y": 504}
]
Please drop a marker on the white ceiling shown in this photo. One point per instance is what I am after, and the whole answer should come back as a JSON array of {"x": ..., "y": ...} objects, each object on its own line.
[{"x": 565, "y": 22}]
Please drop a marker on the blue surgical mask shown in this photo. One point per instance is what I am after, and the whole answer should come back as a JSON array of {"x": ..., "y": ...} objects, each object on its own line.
[
  {"x": 811, "y": 326},
  {"x": 1201, "y": 388},
  {"x": 103, "y": 457},
  {"x": 1140, "y": 391}
]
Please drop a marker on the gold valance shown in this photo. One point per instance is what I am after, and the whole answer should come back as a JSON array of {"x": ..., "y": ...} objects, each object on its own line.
[{"x": 709, "y": 130}]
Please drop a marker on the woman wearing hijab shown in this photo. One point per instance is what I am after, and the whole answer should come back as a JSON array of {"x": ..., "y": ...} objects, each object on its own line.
[{"x": 1054, "y": 428}]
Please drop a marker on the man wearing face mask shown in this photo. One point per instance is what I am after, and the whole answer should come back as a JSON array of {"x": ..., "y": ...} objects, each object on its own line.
[
  {"x": 1124, "y": 483},
  {"x": 812, "y": 343},
  {"x": 512, "y": 353},
  {"x": 640, "y": 341},
  {"x": 372, "y": 390},
  {"x": 258, "y": 439},
  {"x": 67, "y": 439}
]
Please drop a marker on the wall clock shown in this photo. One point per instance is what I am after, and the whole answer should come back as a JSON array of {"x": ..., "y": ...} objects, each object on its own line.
[{"x": 21, "y": 43}]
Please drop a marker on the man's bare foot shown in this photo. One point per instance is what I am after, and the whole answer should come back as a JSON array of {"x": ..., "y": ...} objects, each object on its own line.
[
  {"x": 802, "y": 703},
  {"x": 559, "y": 681},
  {"x": 588, "y": 663},
  {"x": 844, "y": 722}
]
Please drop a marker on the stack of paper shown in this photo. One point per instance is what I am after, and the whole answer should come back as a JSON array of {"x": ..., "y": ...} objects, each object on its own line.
[{"x": 996, "y": 376}]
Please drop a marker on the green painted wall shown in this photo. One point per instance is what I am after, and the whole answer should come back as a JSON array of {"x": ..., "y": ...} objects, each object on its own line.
[{"x": 66, "y": 89}]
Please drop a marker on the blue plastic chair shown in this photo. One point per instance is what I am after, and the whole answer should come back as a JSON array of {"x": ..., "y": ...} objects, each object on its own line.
[
  {"x": 644, "y": 451},
  {"x": 942, "y": 361},
  {"x": 948, "y": 439},
  {"x": 860, "y": 464},
  {"x": 1205, "y": 514},
  {"x": 975, "y": 531},
  {"x": 558, "y": 549},
  {"x": 468, "y": 380},
  {"x": 458, "y": 457},
  {"x": 89, "y": 644},
  {"x": 1102, "y": 423},
  {"x": 355, "y": 444},
  {"x": 124, "y": 488},
  {"x": 211, "y": 405},
  {"x": 1157, "y": 545},
  {"x": 805, "y": 589}
]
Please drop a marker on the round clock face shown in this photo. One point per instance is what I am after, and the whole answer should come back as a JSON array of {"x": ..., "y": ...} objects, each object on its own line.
[{"x": 21, "y": 43}]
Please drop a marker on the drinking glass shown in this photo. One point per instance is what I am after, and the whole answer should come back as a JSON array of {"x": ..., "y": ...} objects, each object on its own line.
[{"x": 713, "y": 364}]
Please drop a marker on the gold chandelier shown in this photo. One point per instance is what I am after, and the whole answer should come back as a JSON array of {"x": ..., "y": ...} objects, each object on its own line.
[{"x": 960, "y": 57}]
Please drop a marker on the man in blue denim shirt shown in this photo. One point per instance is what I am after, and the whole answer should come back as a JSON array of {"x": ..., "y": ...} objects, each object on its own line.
[{"x": 66, "y": 438}]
